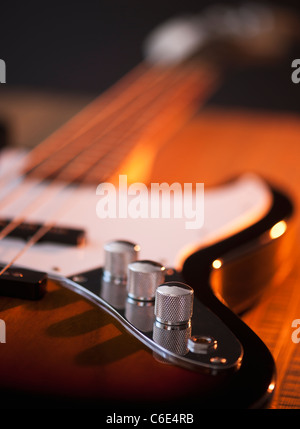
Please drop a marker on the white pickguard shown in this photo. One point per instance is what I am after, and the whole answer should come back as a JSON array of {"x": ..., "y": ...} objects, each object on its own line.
[{"x": 227, "y": 210}]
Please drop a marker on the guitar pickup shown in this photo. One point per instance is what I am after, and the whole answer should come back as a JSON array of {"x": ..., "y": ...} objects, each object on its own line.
[
  {"x": 57, "y": 235},
  {"x": 23, "y": 283}
]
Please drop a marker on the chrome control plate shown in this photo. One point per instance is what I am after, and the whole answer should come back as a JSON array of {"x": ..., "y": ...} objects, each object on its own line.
[{"x": 206, "y": 345}]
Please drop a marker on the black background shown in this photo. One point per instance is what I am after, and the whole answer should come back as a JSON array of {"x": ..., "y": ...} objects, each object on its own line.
[{"x": 85, "y": 46}]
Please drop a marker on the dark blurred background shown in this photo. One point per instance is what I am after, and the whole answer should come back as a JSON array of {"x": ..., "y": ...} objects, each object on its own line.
[
  {"x": 82, "y": 47},
  {"x": 86, "y": 45}
]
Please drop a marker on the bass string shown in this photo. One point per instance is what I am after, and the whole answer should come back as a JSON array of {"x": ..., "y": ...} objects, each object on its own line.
[
  {"x": 107, "y": 103},
  {"x": 79, "y": 170},
  {"x": 150, "y": 127},
  {"x": 47, "y": 226},
  {"x": 93, "y": 119},
  {"x": 120, "y": 122},
  {"x": 167, "y": 119},
  {"x": 86, "y": 137},
  {"x": 75, "y": 168}
]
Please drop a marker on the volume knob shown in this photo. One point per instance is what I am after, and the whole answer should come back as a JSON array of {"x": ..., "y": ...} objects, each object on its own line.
[
  {"x": 174, "y": 303},
  {"x": 143, "y": 279},
  {"x": 118, "y": 254}
]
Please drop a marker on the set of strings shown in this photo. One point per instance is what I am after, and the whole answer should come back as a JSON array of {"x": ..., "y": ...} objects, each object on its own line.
[{"x": 145, "y": 104}]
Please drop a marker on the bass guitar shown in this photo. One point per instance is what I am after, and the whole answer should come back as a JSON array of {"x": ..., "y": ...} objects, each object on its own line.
[{"x": 105, "y": 305}]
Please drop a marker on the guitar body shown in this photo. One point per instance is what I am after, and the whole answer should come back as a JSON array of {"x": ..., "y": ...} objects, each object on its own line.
[
  {"x": 72, "y": 348},
  {"x": 78, "y": 356},
  {"x": 66, "y": 351}
]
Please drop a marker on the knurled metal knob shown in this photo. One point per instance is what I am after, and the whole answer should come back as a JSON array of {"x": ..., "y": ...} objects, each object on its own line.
[
  {"x": 143, "y": 279},
  {"x": 173, "y": 337},
  {"x": 140, "y": 314},
  {"x": 174, "y": 303},
  {"x": 117, "y": 255}
]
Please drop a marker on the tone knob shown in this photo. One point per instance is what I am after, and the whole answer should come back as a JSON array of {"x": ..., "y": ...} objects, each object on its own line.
[
  {"x": 172, "y": 337},
  {"x": 140, "y": 314},
  {"x": 174, "y": 303},
  {"x": 143, "y": 279},
  {"x": 118, "y": 254}
]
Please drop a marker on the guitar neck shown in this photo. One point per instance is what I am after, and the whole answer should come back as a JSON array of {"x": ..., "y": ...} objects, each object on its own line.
[{"x": 134, "y": 118}]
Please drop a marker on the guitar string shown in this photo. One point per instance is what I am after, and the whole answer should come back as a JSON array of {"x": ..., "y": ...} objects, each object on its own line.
[
  {"x": 111, "y": 101},
  {"x": 83, "y": 140},
  {"x": 138, "y": 124},
  {"x": 117, "y": 105},
  {"x": 87, "y": 139},
  {"x": 29, "y": 244},
  {"x": 82, "y": 120},
  {"x": 118, "y": 102},
  {"x": 47, "y": 226},
  {"x": 58, "y": 168}
]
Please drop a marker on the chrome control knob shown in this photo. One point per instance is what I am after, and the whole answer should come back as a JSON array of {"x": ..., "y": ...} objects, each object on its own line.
[
  {"x": 173, "y": 337},
  {"x": 174, "y": 303},
  {"x": 143, "y": 279},
  {"x": 118, "y": 254},
  {"x": 140, "y": 314}
]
